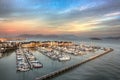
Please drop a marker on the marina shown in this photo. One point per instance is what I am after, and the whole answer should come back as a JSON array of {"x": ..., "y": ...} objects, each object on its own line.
[
  {"x": 21, "y": 62},
  {"x": 73, "y": 55},
  {"x": 26, "y": 60},
  {"x": 59, "y": 39},
  {"x": 34, "y": 63},
  {"x": 54, "y": 54},
  {"x": 62, "y": 53},
  {"x": 53, "y": 74}
]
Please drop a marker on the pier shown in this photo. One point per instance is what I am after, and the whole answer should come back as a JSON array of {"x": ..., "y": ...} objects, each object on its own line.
[
  {"x": 31, "y": 66},
  {"x": 56, "y": 73}
]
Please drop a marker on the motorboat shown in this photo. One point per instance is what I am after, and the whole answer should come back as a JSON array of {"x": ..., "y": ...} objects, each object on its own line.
[{"x": 64, "y": 58}]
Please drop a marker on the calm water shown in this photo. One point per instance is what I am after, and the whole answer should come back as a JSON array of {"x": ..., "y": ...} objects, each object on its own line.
[{"x": 106, "y": 67}]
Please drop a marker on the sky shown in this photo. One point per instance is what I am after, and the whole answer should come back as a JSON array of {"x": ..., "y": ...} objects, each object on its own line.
[{"x": 56, "y": 17}]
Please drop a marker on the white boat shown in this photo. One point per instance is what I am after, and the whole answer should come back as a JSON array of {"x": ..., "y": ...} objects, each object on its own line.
[
  {"x": 23, "y": 69},
  {"x": 64, "y": 58},
  {"x": 37, "y": 64}
]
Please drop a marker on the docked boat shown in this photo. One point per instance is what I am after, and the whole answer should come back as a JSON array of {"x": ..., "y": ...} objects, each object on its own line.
[
  {"x": 21, "y": 62},
  {"x": 33, "y": 61},
  {"x": 64, "y": 58},
  {"x": 36, "y": 64},
  {"x": 23, "y": 68}
]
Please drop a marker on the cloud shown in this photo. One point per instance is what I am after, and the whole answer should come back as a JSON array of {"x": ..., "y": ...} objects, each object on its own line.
[
  {"x": 79, "y": 13},
  {"x": 82, "y": 7},
  {"x": 94, "y": 14},
  {"x": 110, "y": 23},
  {"x": 113, "y": 14},
  {"x": 61, "y": 15}
]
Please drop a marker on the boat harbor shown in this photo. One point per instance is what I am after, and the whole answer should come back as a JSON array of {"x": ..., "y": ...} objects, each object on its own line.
[
  {"x": 26, "y": 61},
  {"x": 62, "y": 53},
  {"x": 63, "y": 70},
  {"x": 40, "y": 57}
]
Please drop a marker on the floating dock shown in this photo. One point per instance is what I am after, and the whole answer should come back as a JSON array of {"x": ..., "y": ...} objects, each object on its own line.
[
  {"x": 31, "y": 67},
  {"x": 56, "y": 73}
]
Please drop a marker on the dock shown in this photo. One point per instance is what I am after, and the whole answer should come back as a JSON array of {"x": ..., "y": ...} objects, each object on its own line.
[
  {"x": 56, "y": 73},
  {"x": 31, "y": 66}
]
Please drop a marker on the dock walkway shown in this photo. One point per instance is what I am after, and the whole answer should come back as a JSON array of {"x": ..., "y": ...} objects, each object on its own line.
[{"x": 31, "y": 67}]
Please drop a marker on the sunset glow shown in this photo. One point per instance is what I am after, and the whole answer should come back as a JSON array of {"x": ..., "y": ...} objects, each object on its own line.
[{"x": 100, "y": 17}]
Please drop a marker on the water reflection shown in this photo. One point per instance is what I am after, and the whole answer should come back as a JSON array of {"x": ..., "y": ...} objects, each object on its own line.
[{"x": 6, "y": 54}]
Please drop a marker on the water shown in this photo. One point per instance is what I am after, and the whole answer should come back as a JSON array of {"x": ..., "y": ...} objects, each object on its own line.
[{"x": 106, "y": 67}]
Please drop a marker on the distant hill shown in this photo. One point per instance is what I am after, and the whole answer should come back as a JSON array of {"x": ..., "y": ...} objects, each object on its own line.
[
  {"x": 101, "y": 38},
  {"x": 118, "y": 37},
  {"x": 66, "y": 36},
  {"x": 95, "y": 38}
]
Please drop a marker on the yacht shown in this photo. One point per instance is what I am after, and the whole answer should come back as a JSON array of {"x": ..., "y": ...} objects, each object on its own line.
[
  {"x": 64, "y": 58},
  {"x": 36, "y": 64}
]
